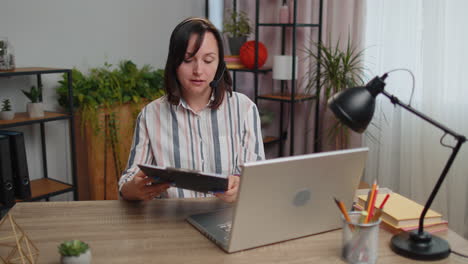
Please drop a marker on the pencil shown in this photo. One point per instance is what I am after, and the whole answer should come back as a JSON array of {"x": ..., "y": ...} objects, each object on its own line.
[
  {"x": 384, "y": 201},
  {"x": 342, "y": 208},
  {"x": 368, "y": 209},
  {"x": 374, "y": 199}
]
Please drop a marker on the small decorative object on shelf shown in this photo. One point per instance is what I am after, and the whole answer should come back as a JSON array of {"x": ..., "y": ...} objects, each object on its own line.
[
  {"x": 247, "y": 54},
  {"x": 7, "y": 57},
  {"x": 237, "y": 27},
  {"x": 233, "y": 62},
  {"x": 35, "y": 107},
  {"x": 282, "y": 67},
  {"x": 75, "y": 252},
  {"x": 20, "y": 249},
  {"x": 6, "y": 113}
]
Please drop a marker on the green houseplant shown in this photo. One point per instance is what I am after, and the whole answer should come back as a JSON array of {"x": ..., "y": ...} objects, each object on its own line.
[
  {"x": 75, "y": 251},
  {"x": 6, "y": 112},
  {"x": 35, "y": 108},
  {"x": 237, "y": 28},
  {"x": 107, "y": 101},
  {"x": 339, "y": 69}
]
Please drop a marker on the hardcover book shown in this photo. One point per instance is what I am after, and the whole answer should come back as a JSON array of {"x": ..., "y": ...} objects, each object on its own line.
[{"x": 400, "y": 211}]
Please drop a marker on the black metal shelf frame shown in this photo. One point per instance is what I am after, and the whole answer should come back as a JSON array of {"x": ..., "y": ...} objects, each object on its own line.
[
  {"x": 69, "y": 116},
  {"x": 292, "y": 100},
  {"x": 287, "y": 25}
]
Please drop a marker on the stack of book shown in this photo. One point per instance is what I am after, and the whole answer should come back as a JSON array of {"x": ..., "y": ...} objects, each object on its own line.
[
  {"x": 233, "y": 62},
  {"x": 402, "y": 214}
]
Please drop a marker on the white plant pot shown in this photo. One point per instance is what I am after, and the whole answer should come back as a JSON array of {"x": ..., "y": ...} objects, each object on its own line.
[
  {"x": 7, "y": 115},
  {"x": 35, "y": 110},
  {"x": 84, "y": 258}
]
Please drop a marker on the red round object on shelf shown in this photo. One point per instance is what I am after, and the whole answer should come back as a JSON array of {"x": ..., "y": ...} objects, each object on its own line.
[{"x": 247, "y": 54}]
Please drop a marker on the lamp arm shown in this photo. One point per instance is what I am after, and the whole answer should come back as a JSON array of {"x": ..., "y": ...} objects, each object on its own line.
[
  {"x": 447, "y": 130},
  {"x": 460, "y": 140}
]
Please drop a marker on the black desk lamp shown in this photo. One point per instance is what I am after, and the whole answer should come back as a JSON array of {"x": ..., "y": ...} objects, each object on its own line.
[{"x": 355, "y": 108}]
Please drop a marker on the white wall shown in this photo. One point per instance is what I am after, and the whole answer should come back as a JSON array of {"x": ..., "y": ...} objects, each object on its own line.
[{"x": 81, "y": 34}]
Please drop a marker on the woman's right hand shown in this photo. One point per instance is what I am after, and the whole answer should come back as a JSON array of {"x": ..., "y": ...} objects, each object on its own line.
[{"x": 142, "y": 187}]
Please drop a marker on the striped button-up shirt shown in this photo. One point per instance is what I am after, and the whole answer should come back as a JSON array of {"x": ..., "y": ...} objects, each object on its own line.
[{"x": 215, "y": 141}]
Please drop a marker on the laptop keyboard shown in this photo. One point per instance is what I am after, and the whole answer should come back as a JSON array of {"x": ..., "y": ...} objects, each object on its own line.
[{"x": 226, "y": 227}]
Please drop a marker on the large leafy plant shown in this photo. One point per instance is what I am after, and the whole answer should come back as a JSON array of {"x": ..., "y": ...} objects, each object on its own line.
[
  {"x": 104, "y": 89},
  {"x": 339, "y": 69}
]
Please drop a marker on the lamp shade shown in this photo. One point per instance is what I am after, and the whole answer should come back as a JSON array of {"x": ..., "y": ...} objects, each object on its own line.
[
  {"x": 282, "y": 67},
  {"x": 355, "y": 106}
]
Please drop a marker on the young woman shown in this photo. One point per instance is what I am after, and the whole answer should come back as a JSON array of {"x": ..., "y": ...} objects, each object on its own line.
[{"x": 200, "y": 124}]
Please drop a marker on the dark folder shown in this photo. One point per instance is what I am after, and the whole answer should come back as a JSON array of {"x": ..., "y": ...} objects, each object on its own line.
[
  {"x": 7, "y": 195},
  {"x": 19, "y": 164},
  {"x": 186, "y": 179}
]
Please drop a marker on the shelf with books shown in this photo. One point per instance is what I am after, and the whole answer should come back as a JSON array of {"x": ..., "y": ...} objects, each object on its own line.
[{"x": 44, "y": 187}]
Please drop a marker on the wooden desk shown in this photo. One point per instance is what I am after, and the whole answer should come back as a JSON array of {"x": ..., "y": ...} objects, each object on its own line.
[{"x": 156, "y": 232}]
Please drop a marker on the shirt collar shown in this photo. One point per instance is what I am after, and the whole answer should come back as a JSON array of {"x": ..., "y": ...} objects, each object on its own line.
[{"x": 185, "y": 105}]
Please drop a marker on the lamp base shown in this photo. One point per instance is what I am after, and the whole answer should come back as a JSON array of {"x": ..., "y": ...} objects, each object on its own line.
[{"x": 420, "y": 246}]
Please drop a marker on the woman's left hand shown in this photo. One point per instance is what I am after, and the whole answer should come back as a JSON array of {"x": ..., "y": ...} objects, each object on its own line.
[{"x": 230, "y": 195}]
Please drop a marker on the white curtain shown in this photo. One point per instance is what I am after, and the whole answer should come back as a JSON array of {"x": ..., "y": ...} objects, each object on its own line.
[{"x": 430, "y": 38}]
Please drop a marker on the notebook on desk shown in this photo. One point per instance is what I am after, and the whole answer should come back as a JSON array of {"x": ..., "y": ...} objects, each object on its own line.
[{"x": 285, "y": 198}]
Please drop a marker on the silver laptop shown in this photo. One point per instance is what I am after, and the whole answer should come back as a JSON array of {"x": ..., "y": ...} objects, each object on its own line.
[{"x": 285, "y": 198}]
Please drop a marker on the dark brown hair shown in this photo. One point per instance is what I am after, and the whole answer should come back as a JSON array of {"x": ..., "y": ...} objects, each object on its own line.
[{"x": 177, "y": 48}]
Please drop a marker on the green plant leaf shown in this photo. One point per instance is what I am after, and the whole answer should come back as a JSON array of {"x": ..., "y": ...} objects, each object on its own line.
[
  {"x": 6, "y": 105},
  {"x": 335, "y": 70},
  {"x": 237, "y": 24},
  {"x": 72, "y": 248}
]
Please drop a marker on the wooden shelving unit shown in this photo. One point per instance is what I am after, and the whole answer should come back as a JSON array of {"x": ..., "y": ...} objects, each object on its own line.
[
  {"x": 41, "y": 188},
  {"x": 287, "y": 97},
  {"x": 45, "y": 187},
  {"x": 23, "y": 119}
]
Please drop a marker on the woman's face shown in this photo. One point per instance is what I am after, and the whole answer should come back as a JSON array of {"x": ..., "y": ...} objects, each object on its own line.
[{"x": 197, "y": 71}]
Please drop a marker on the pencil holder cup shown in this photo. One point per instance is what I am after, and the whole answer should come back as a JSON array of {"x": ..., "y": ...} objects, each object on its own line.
[{"x": 360, "y": 241}]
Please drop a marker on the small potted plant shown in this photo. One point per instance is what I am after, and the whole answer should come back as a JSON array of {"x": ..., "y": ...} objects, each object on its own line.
[
  {"x": 6, "y": 113},
  {"x": 35, "y": 107},
  {"x": 237, "y": 28},
  {"x": 75, "y": 252}
]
